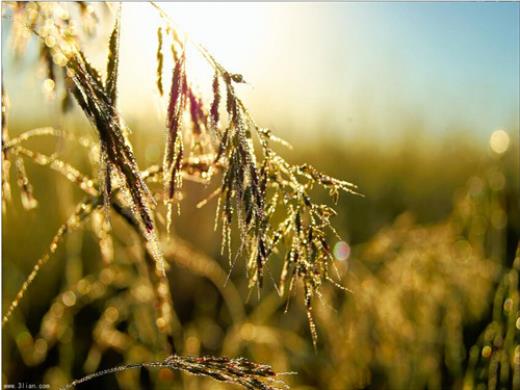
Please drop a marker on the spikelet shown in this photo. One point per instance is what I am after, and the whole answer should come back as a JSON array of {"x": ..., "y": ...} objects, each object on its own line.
[
  {"x": 91, "y": 72},
  {"x": 214, "y": 111},
  {"x": 40, "y": 131},
  {"x": 29, "y": 202},
  {"x": 66, "y": 99},
  {"x": 101, "y": 228},
  {"x": 65, "y": 169},
  {"x": 174, "y": 148},
  {"x": 6, "y": 164},
  {"x": 116, "y": 150},
  {"x": 116, "y": 154},
  {"x": 197, "y": 114},
  {"x": 231, "y": 101},
  {"x": 242, "y": 182},
  {"x": 160, "y": 61},
  {"x": 332, "y": 184},
  {"x": 105, "y": 174},
  {"x": 238, "y": 371},
  {"x": 113, "y": 63},
  {"x": 310, "y": 319}
]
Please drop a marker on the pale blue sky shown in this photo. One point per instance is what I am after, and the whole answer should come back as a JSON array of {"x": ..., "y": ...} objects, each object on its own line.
[
  {"x": 360, "y": 68},
  {"x": 457, "y": 61}
]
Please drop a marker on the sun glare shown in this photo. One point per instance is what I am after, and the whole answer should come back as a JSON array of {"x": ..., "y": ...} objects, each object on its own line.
[
  {"x": 214, "y": 25},
  {"x": 228, "y": 31}
]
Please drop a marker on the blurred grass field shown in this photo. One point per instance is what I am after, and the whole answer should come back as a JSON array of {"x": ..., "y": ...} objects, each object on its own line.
[{"x": 429, "y": 245}]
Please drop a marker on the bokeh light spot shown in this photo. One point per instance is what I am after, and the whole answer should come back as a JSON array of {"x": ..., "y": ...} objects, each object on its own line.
[
  {"x": 341, "y": 251},
  {"x": 499, "y": 141},
  {"x": 69, "y": 298},
  {"x": 48, "y": 85},
  {"x": 486, "y": 352}
]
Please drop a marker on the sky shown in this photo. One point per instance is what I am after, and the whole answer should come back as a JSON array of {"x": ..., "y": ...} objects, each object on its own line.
[{"x": 349, "y": 69}]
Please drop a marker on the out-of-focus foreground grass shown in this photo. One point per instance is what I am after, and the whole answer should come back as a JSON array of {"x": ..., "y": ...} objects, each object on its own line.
[{"x": 429, "y": 258}]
